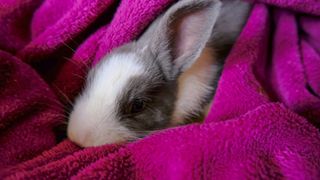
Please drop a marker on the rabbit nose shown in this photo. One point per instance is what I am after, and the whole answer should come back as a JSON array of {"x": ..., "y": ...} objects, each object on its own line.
[
  {"x": 79, "y": 137},
  {"x": 80, "y": 134},
  {"x": 86, "y": 137}
]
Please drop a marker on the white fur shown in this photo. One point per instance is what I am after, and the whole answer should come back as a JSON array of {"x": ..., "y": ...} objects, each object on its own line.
[{"x": 93, "y": 121}]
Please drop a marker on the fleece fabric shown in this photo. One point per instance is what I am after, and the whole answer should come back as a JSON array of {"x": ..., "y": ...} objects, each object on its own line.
[{"x": 264, "y": 122}]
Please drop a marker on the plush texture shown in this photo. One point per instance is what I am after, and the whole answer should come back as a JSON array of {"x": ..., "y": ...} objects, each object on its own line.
[{"x": 264, "y": 122}]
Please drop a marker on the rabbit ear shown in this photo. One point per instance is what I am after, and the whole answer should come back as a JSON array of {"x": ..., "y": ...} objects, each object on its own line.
[{"x": 182, "y": 33}]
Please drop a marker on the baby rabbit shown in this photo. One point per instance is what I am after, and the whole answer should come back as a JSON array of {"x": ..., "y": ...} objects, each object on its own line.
[{"x": 164, "y": 79}]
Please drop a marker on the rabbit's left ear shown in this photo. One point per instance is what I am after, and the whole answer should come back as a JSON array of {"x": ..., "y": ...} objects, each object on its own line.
[{"x": 182, "y": 33}]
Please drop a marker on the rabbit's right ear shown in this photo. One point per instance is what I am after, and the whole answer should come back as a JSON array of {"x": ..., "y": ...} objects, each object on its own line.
[{"x": 179, "y": 37}]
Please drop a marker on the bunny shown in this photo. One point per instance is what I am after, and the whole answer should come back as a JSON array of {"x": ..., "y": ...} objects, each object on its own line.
[{"x": 164, "y": 79}]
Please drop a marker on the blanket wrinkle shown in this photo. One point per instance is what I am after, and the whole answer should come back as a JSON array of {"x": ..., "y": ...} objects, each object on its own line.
[
  {"x": 27, "y": 113},
  {"x": 263, "y": 124},
  {"x": 15, "y": 22},
  {"x": 238, "y": 75},
  {"x": 288, "y": 73}
]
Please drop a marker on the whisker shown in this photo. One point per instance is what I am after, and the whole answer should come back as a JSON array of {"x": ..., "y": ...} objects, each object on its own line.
[
  {"x": 72, "y": 61},
  {"x": 68, "y": 47},
  {"x": 76, "y": 43},
  {"x": 64, "y": 95},
  {"x": 77, "y": 64},
  {"x": 51, "y": 106},
  {"x": 79, "y": 76}
]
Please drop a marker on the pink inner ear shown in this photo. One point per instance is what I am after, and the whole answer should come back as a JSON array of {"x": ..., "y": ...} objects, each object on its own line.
[{"x": 188, "y": 31}]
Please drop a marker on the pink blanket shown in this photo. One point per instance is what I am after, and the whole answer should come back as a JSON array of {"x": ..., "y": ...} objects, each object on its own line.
[{"x": 264, "y": 122}]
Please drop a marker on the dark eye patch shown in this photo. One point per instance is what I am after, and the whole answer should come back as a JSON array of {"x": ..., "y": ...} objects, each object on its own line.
[
  {"x": 138, "y": 95},
  {"x": 137, "y": 101},
  {"x": 137, "y": 106},
  {"x": 146, "y": 104},
  {"x": 134, "y": 107}
]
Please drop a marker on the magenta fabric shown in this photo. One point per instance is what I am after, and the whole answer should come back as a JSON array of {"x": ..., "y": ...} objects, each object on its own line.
[{"x": 264, "y": 122}]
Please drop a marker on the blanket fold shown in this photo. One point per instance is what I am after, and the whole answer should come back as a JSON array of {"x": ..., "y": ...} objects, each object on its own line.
[{"x": 264, "y": 122}]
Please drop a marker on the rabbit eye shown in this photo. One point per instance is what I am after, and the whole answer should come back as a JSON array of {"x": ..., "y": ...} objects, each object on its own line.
[{"x": 137, "y": 106}]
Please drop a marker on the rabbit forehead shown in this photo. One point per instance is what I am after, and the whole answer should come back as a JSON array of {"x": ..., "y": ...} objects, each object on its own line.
[
  {"x": 111, "y": 77},
  {"x": 110, "y": 81}
]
